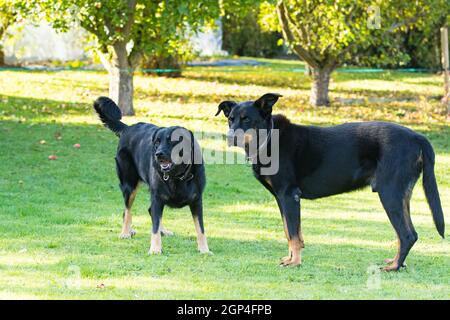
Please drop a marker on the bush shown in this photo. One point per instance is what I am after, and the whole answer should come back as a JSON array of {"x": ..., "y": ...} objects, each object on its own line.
[
  {"x": 168, "y": 54},
  {"x": 163, "y": 62},
  {"x": 243, "y": 36},
  {"x": 424, "y": 49}
]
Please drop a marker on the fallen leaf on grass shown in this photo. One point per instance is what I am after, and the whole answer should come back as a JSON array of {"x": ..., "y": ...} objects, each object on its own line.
[{"x": 52, "y": 157}]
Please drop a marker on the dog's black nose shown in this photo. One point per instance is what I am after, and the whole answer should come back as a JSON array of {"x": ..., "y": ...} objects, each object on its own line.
[{"x": 158, "y": 154}]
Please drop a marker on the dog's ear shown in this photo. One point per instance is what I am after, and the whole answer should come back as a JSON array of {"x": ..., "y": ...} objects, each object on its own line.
[
  {"x": 226, "y": 107},
  {"x": 155, "y": 134},
  {"x": 266, "y": 102}
]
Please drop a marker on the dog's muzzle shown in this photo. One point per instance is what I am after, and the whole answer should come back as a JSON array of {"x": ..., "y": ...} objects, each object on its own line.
[{"x": 164, "y": 162}]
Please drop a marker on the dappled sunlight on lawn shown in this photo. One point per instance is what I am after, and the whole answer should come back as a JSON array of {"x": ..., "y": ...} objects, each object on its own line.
[
  {"x": 392, "y": 88},
  {"x": 65, "y": 215}
]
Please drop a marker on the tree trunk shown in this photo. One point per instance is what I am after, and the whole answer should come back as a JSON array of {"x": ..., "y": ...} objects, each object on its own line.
[
  {"x": 121, "y": 80},
  {"x": 308, "y": 70},
  {"x": 319, "y": 90},
  {"x": 121, "y": 89},
  {"x": 2, "y": 56}
]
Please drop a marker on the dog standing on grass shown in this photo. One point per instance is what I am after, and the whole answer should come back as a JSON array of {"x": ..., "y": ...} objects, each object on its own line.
[
  {"x": 317, "y": 162},
  {"x": 146, "y": 153}
]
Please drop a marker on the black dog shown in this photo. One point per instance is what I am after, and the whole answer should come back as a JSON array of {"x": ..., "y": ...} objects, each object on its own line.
[
  {"x": 318, "y": 162},
  {"x": 145, "y": 155}
]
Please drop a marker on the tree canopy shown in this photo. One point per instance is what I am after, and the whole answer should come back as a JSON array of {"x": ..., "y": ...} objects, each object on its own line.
[
  {"x": 127, "y": 30},
  {"x": 10, "y": 11},
  {"x": 326, "y": 34}
]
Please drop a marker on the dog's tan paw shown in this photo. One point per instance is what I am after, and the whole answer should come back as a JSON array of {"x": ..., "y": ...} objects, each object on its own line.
[
  {"x": 127, "y": 235},
  {"x": 393, "y": 267},
  {"x": 285, "y": 259},
  {"x": 290, "y": 262},
  {"x": 166, "y": 233}
]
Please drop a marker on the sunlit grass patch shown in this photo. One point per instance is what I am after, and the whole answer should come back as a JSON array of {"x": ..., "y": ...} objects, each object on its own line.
[{"x": 61, "y": 219}]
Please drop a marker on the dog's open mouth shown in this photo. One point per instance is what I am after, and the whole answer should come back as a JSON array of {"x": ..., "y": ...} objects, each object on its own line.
[{"x": 166, "y": 165}]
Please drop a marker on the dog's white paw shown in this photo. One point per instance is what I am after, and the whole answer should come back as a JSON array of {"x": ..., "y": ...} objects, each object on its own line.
[
  {"x": 127, "y": 235},
  {"x": 166, "y": 233},
  {"x": 205, "y": 251},
  {"x": 154, "y": 251}
]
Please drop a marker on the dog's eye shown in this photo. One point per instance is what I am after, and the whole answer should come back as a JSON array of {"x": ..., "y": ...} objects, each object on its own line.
[
  {"x": 157, "y": 142},
  {"x": 245, "y": 119},
  {"x": 231, "y": 119}
]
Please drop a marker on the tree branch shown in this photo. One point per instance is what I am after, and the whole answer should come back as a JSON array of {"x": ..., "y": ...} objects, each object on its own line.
[
  {"x": 109, "y": 27},
  {"x": 105, "y": 61},
  {"x": 302, "y": 34},
  {"x": 299, "y": 50},
  {"x": 406, "y": 22},
  {"x": 127, "y": 28}
]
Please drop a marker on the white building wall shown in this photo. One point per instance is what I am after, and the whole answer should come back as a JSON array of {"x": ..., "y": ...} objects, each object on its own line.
[
  {"x": 34, "y": 44},
  {"x": 209, "y": 43},
  {"x": 42, "y": 43}
]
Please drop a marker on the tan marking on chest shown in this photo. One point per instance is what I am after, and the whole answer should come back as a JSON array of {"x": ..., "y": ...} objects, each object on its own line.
[{"x": 268, "y": 181}]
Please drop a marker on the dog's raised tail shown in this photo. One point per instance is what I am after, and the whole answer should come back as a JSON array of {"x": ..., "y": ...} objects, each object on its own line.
[
  {"x": 110, "y": 114},
  {"x": 430, "y": 186}
]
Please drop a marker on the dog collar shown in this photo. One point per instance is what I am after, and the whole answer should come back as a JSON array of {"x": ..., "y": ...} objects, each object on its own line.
[
  {"x": 187, "y": 175},
  {"x": 249, "y": 158}
]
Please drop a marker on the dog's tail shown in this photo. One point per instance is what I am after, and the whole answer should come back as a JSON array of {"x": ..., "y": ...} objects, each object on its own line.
[
  {"x": 110, "y": 114},
  {"x": 430, "y": 186}
]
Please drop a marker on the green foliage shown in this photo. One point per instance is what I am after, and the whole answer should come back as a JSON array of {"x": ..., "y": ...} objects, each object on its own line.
[
  {"x": 242, "y": 36},
  {"x": 416, "y": 46},
  {"x": 145, "y": 26},
  {"x": 424, "y": 48},
  {"x": 9, "y": 14},
  {"x": 330, "y": 33}
]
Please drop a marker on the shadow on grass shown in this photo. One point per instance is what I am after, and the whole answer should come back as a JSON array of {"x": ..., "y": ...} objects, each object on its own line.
[
  {"x": 28, "y": 108},
  {"x": 250, "y": 265},
  {"x": 20, "y": 110},
  {"x": 70, "y": 209},
  {"x": 266, "y": 76}
]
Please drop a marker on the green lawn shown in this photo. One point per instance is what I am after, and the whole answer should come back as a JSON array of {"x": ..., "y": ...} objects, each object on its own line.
[{"x": 60, "y": 220}]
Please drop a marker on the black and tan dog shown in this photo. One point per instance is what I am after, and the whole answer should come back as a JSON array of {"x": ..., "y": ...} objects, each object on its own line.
[
  {"x": 144, "y": 154},
  {"x": 317, "y": 162}
]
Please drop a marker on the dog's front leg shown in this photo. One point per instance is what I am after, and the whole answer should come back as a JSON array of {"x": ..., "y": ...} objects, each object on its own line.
[
  {"x": 197, "y": 213},
  {"x": 289, "y": 204},
  {"x": 156, "y": 211}
]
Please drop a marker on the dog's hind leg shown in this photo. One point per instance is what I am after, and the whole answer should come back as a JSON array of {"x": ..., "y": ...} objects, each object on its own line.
[
  {"x": 197, "y": 214},
  {"x": 129, "y": 181},
  {"x": 395, "y": 199},
  {"x": 408, "y": 222},
  {"x": 127, "y": 230}
]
